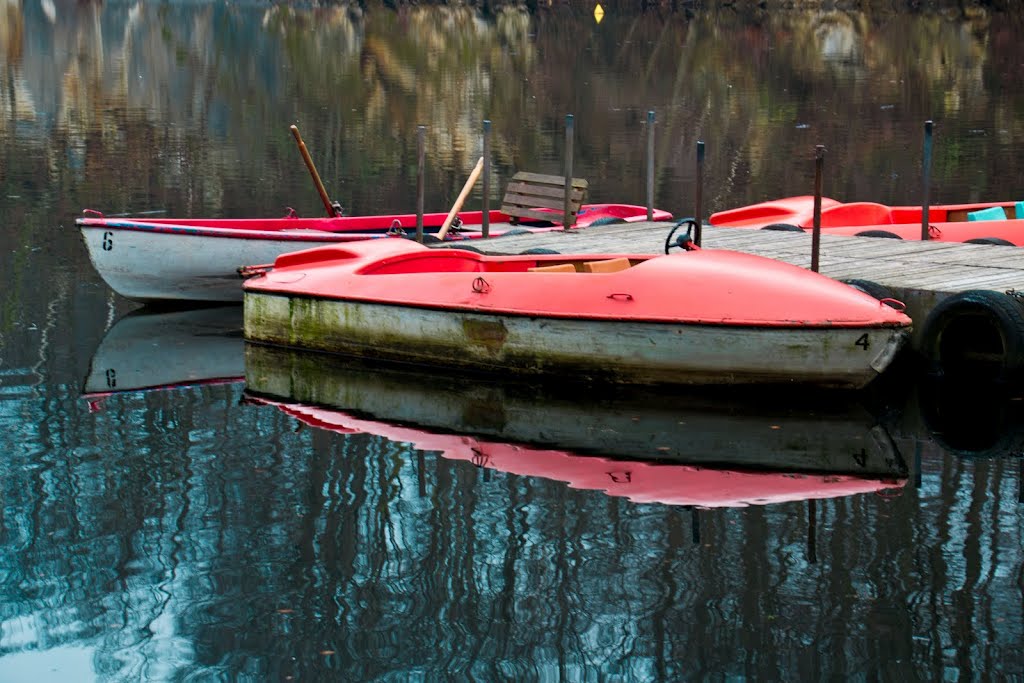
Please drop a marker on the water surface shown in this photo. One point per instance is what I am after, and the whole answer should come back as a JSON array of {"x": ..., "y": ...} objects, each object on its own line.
[{"x": 175, "y": 506}]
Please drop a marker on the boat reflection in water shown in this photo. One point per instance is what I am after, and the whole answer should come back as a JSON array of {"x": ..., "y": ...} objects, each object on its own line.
[
  {"x": 150, "y": 349},
  {"x": 679, "y": 449},
  {"x": 157, "y": 349}
]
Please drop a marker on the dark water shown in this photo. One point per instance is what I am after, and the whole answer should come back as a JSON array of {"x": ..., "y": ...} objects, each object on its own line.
[{"x": 222, "y": 526}]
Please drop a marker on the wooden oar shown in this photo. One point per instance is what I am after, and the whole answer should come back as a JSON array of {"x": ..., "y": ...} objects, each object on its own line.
[
  {"x": 462, "y": 198},
  {"x": 332, "y": 209}
]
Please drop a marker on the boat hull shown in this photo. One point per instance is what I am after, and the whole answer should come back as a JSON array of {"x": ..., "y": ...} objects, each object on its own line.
[
  {"x": 160, "y": 260},
  {"x": 154, "y": 267},
  {"x": 627, "y": 352}
]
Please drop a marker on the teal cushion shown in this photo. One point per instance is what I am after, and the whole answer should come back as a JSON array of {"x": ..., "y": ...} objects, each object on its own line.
[
  {"x": 1018, "y": 210},
  {"x": 994, "y": 213}
]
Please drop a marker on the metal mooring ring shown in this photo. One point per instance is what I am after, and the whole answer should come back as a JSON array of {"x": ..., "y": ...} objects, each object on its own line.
[{"x": 481, "y": 285}]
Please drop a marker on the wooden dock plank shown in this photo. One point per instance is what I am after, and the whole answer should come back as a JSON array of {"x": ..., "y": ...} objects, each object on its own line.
[{"x": 939, "y": 266}]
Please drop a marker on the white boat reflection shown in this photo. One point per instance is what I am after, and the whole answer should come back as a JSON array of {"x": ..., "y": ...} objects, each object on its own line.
[{"x": 162, "y": 349}]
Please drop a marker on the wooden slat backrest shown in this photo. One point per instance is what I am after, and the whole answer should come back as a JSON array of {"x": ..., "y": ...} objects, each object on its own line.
[{"x": 527, "y": 193}]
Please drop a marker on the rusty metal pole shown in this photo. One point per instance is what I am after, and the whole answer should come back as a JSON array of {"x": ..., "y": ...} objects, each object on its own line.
[
  {"x": 819, "y": 160},
  {"x": 420, "y": 157},
  {"x": 650, "y": 165},
  {"x": 566, "y": 219},
  {"x": 485, "y": 224},
  {"x": 926, "y": 173},
  {"x": 698, "y": 210}
]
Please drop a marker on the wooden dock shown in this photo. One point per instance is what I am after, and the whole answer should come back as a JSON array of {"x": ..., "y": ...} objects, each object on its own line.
[{"x": 918, "y": 273}]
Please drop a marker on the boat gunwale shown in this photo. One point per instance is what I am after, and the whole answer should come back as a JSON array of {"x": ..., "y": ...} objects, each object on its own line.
[
  {"x": 282, "y": 235},
  {"x": 432, "y": 221},
  {"x": 499, "y": 312}
]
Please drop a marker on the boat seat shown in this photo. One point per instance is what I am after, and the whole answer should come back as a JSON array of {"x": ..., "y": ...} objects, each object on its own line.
[
  {"x": 557, "y": 268},
  {"x": 993, "y": 213},
  {"x": 611, "y": 265},
  {"x": 1018, "y": 210}
]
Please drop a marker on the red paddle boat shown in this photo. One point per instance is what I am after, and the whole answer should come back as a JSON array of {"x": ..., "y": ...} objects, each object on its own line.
[
  {"x": 693, "y": 317},
  {"x": 982, "y": 223}
]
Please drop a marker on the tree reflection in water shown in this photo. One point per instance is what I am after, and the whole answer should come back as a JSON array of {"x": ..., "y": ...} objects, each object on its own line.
[{"x": 184, "y": 534}]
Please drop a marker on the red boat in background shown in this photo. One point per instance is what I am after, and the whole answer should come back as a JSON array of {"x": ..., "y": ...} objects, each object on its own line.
[{"x": 979, "y": 223}]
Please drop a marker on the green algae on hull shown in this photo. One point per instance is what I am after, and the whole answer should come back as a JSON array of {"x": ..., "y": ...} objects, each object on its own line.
[{"x": 609, "y": 351}]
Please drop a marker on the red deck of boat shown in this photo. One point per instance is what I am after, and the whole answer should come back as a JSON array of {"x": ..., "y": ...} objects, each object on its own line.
[{"x": 701, "y": 287}]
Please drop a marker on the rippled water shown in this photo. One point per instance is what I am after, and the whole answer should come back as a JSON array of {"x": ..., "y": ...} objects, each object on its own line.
[{"x": 176, "y": 505}]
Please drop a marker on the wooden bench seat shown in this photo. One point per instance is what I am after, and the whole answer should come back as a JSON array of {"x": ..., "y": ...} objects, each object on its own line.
[{"x": 528, "y": 193}]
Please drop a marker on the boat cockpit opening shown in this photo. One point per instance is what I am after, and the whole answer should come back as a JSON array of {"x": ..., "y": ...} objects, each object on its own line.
[
  {"x": 455, "y": 261},
  {"x": 611, "y": 265}
]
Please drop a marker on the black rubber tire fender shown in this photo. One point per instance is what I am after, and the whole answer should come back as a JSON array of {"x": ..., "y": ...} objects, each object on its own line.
[
  {"x": 878, "y": 233},
  {"x": 870, "y": 288},
  {"x": 991, "y": 240},
  {"x": 463, "y": 247},
  {"x": 783, "y": 227},
  {"x": 539, "y": 250},
  {"x": 515, "y": 232},
  {"x": 977, "y": 333},
  {"x": 607, "y": 220}
]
